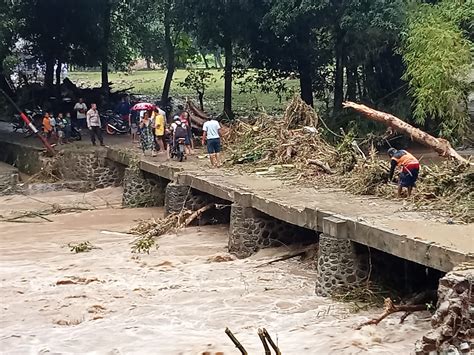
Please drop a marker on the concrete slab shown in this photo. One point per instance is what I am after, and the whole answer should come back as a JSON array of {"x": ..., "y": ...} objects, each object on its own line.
[{"x": 377, "y": 223}]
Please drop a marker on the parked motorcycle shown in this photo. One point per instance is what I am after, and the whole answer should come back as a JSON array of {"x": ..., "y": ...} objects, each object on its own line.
[
  {"x": 113, "y": 123},
  {"x": 36, "y": 117},
  {"x": 178, "y": 150}
]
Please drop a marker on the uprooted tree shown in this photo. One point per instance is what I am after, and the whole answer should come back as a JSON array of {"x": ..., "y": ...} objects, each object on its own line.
[{"x": 439, "y": 145}]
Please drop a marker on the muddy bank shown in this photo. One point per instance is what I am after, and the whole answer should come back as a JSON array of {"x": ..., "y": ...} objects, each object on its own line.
[{"x": 177, "y": 300}]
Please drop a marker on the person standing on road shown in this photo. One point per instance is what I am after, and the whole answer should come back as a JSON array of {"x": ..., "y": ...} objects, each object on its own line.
[
  {"x": 80, "y": 108},
  {"x": 212, "y": 134},
  {"x": 160, "y": 130},
  {"x": 123, "y": 110},
  {"x": 147, "y": 141},
  {"x": 409, "y": 168},
  {"x": 93, "y": 123}
]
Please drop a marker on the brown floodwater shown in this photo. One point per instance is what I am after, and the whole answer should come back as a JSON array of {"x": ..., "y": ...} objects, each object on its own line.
[{"x": 177, "y": 300}]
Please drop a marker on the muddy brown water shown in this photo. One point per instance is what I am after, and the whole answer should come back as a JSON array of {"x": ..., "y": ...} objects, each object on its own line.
[{"x": 177, "y": 300}]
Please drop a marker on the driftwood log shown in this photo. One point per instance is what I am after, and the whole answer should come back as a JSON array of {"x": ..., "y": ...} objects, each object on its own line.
[
  {"x": 235, "y": 341},
  {"x": 439, "y": 145},
  {"x": 321, "y": 164},
  {"x": 390, "y": 308}
]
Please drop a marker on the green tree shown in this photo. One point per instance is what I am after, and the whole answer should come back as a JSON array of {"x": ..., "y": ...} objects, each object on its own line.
[
  {"x": 198, "y": 80},
  {"x": 438, "y": 58},
  {"x": 221, "y": 23},
  {"x": 8, "y": 29}
]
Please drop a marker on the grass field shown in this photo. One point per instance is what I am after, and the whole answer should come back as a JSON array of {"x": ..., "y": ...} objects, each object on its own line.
[{"x": 151, "y": 82}]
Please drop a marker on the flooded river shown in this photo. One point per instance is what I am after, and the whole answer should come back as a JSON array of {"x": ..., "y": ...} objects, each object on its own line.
[{"x": 177, "y": 300}]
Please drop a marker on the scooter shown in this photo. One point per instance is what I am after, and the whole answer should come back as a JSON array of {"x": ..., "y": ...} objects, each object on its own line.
[
  {"x": 178, "y": 150},
  {"x": 114, "y": 124},
  {"x": 36, "y": 117}
]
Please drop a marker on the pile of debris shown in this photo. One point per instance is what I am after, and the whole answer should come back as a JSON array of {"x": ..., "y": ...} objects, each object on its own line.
[
  {"x": 291, "y": 142},
  {"x": 292, "y": 147}
]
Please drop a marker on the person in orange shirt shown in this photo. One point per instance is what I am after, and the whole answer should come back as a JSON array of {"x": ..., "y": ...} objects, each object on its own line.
[
  {"x": 47, "y": 127},
  {"x": 409, "y": 169}
]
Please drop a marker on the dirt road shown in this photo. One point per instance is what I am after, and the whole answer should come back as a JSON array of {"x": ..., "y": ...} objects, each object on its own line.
[{"x": 177, "y": 300}]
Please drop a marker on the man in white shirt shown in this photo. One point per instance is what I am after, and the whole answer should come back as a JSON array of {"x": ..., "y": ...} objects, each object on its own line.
[
  {"x": 80, "y": 108},
  {"x": 93, "y": 123},
  {"x": 212, "y": 134}
]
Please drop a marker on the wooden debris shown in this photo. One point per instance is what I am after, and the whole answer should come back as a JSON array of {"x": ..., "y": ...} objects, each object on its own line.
[
  {"x": 390, "y": 308},
  {"x": 439, "y": 145},
  {"x": 235, "y": 341},
  {"x": 261, "y": 335},
  {"x": 321, "y": 164}
]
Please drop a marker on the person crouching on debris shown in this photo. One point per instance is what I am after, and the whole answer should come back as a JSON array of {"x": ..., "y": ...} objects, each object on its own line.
[
  {"x": 409, "y": 169},
  {"x": 212, "y": 134}
]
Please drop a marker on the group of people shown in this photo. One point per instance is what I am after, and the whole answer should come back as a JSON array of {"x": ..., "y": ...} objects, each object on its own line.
[
  {"x": 60, "y": 127},
  {"x": 57, "y": 128}
]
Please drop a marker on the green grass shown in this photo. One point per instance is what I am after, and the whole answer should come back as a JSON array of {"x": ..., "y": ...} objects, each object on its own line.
[{"x": 150, "y": 82}]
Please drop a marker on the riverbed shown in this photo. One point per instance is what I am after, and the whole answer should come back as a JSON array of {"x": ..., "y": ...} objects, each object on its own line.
[{"x": 179, "y": 299}]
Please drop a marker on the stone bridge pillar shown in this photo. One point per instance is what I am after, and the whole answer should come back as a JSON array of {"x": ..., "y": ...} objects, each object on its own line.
[
  {"x": 251, "y": 230},
  {"x": 179, "y": 197},
  {"x": 141, "y": 189},
  {"x": 340, "y": 265}
]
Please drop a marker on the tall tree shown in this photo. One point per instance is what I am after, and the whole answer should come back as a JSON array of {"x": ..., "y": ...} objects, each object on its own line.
[
  {"x": 221, "y": 23},
  {"x": 438, "y": 55},
  {"x": 8, "y": 28}
]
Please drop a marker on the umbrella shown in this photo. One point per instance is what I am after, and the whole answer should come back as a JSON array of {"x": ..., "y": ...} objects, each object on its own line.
[{"x": 143, "y": 106}]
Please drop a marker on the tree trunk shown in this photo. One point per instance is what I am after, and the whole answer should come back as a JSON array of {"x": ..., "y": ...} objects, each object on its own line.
[
  {"x": 49, "y": 73},
  {"x": 206, "y": 63},
  {"x": 228, "y": 78},
  {"x": 339, "y": 73},
  {"x": 58, "y": 78},
  {"x": 306, "y": 80},
  {"x": 148, "y": 63},
  {"x": 106, "y": 44},
  {"x": 5, "y": 83},
  {"x": 170, "y": 58},
  {"x": 217, "y": 59},
  {"x": 351, "y": 77},
  {"x": 201, "y": 100},
  {"x": 439, "y": 145},
  {"x": 304, "y": 66}
]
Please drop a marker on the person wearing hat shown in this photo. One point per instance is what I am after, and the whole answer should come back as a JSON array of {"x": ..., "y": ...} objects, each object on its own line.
[{"x": 409, "y": 168}]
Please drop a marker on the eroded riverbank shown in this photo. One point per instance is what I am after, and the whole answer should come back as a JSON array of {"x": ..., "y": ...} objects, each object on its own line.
[{"x": 177, "y": 300}]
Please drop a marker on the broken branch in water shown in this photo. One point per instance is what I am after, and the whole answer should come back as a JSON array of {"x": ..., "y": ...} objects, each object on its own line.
[
  {"x": 264, "y": 342},
  {"x": 235, "y": 341},
  {"x": 198, "y": 213},
  {"x": 270, "y": 341},
  {"x": 390, "y": 308}
]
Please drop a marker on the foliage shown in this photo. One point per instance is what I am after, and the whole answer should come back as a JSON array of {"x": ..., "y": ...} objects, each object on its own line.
[
  {"x": 438, "y": 58},
  {"x": 82, "y": 247},
  {"x": 8, "y": 28},
  {"x": 198, "y": 80},
  {"x": 265, "y": 81}
]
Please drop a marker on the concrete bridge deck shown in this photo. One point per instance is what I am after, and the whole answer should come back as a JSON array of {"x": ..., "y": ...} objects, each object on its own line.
[
  {"x": 371, "y": 221},
  {"x": 368, "y": 220}
]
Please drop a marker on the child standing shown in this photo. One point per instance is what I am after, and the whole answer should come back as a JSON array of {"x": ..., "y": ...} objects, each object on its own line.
[{"x": 60, "y": 127}]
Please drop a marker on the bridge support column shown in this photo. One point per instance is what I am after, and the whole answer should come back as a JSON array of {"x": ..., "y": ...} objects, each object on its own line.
[
  {"x": 141, "y": 189},
  {"x": 251, "y": 230},
  {"x": 177, "y": 198},
  {"x": 340, "y": 265}
]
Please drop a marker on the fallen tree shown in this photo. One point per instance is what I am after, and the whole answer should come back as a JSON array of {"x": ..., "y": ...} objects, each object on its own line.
[{"x": 439, "y": 145}]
